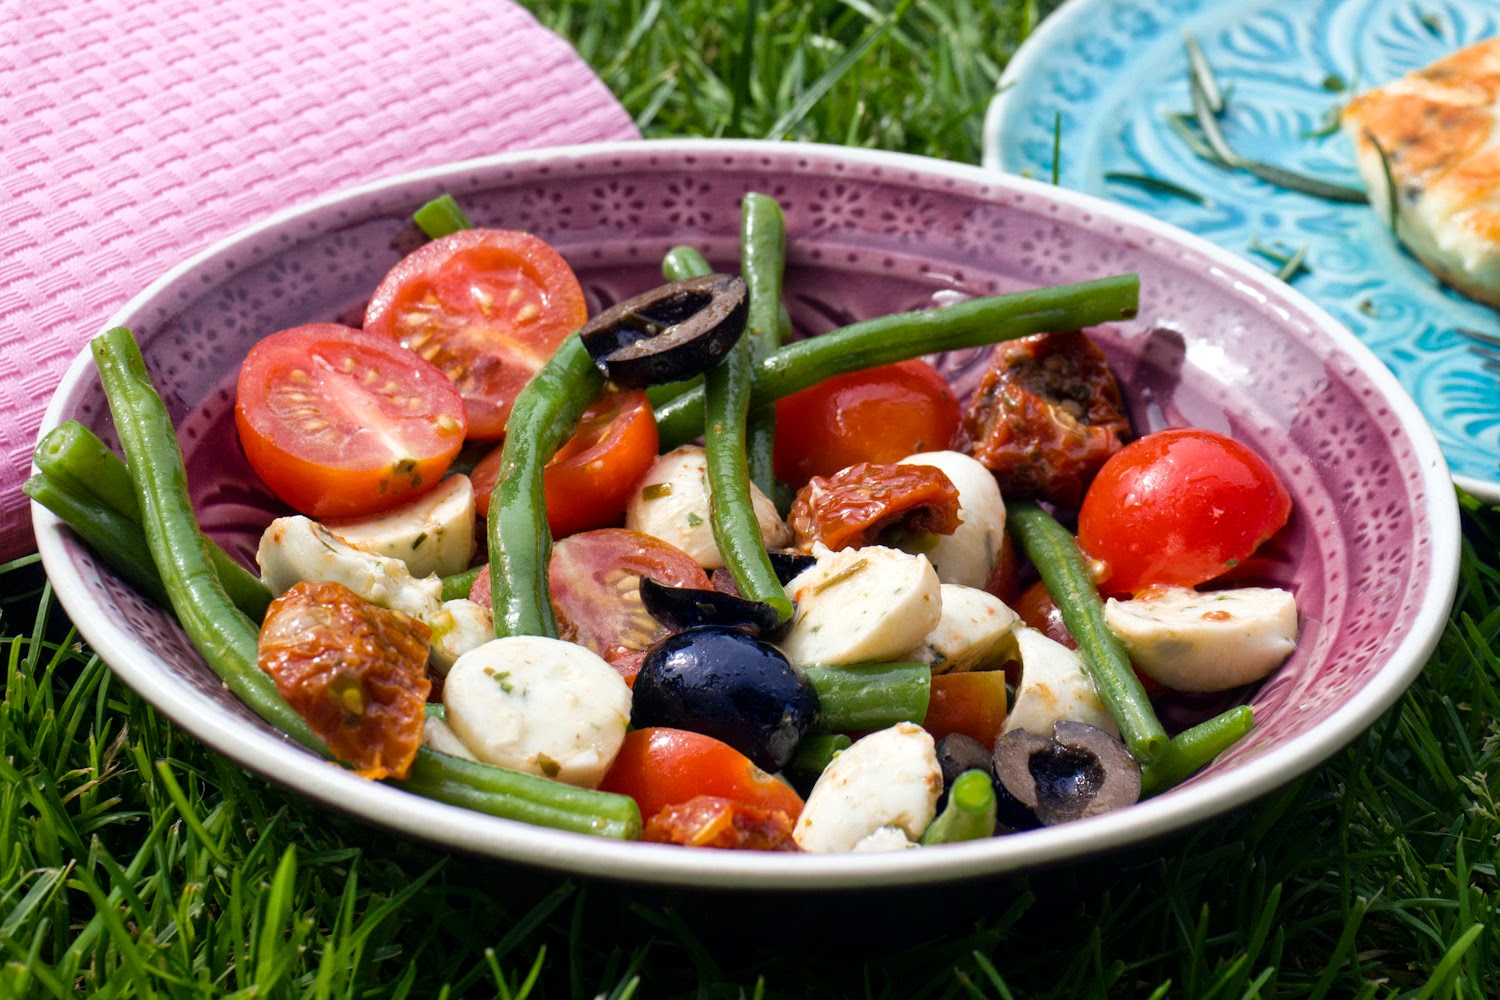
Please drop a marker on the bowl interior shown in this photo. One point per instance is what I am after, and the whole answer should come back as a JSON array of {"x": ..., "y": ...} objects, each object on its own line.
[{"x": 1370, "y": 550}]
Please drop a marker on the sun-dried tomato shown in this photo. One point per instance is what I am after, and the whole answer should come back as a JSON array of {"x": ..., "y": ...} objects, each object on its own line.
[
  {"x": 1046, "y": 416},
  {"x": 356, "y": 672},
  {"x": 858, "y": 505},
  {"x": 711, "y": 821}
]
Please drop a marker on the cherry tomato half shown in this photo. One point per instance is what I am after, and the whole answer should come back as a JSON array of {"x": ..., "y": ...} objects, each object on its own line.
[
  {"x": 660, "y": 767},
  {"x": 488, "y": 307},
  {"x": 1179, "y": 507},
  {"x": 878, "y": 415},
  {"x": 595, "y": 583},
  {"x": 591, "y": 478},
  {"x": 342, "y": 423}
]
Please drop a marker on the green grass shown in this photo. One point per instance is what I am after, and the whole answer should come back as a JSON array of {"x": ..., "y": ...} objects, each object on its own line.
[{"x": 135, "y": 863}]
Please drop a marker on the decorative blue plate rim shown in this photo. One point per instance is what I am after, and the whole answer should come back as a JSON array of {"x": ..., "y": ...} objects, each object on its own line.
[{"x": 1287, "y": 64}]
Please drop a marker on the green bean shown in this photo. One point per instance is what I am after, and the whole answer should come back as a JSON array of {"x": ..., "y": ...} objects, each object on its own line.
[
  {"x": 544, "y": 416},
  {"x": 523, "y": 797},
  {"x": 82, "y": 466},
  {"x": 901, "y": 336},
  {"x": 222, "y": 633},
  {"x": 440, "y": 217},
  {"x": 456, "y": 586},
  {"x": 228, "y": 640},
  {"x": 762, "y": 262},
  {"x": 726, "y": 393},
  {"x": 683, "y": 262},
  {"x": 1194, "y": 748},
  {"x": 1051, "y": 548},
  {"x": 815, "y": 751},
  {"x": 115, "y": 538},
  {"x": 870, "y": 695},
  {"x": 77, "y": 461},
  {"x": 969, "y": 814}
]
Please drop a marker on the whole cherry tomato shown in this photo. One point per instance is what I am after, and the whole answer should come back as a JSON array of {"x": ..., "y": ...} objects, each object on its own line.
[{"x": 1179, "y": 507}]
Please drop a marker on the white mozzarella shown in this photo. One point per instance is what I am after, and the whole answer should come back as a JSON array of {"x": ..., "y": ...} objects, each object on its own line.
[
  {"x": 440, "y": 736},
  {"x": 294, "y": 549},
  {"x": 888, "y": 780},
  {"x": 1210, "y": 641},
  {"x": 538, "y": 705},
  {"x": 887, "y": 838},
  {"x": 968, "y": 555},
  {"x": 672, "y": 503},
  {"x": 433, "y": 534},
  {"x": 977, "y": 629},
  {"x": 1053, "y": 688},
  {"x": 457, "y": 627},
  {"x": 863, "y": 605}
]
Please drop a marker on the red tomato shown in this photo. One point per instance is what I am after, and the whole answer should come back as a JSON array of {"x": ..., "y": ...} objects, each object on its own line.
[
  {"x": 877, "y": 415},
  {"x": 1179, "y": 507},
  {"x": 590, "y": 479},
  {"x": 1037, "y": 609},
  {"x": 595, "y": 582},
  {"x": 660, "y": 767},
  {"x": 341, "y": 423},
  {"x": 972, "y": 703},
  {"x": 488, "y": 307}
]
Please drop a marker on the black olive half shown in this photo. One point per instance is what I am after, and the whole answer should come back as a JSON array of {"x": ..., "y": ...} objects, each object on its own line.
[
  {"x": 681, "y": 608},
  {"x": 668, "y": 334},
  {"x": 724, "y": 683},
  {"x": 960, "y": 752},
  {"x": 1080, "y": 771}
]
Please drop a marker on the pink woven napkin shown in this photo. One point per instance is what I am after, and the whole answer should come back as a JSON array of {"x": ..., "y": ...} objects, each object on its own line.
[{"x": 137, "y": 132}]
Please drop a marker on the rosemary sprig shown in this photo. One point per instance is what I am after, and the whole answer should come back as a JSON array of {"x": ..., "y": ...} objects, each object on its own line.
[
  {"x": 1291, "y": 263},
  {"x": 1157, "y": 185},
  {"x": 1211, "y": 145},
  {"x": 1392, "y": 200}
]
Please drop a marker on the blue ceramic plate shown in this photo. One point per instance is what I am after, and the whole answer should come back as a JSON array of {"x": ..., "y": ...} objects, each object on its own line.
[{"x": 1112, "y": 72}]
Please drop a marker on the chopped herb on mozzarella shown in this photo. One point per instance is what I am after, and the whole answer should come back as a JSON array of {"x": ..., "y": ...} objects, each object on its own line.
[
  {"x": 864, "y": 605},
  {"x": 672, "y": 504},
  {"x": 888, "y": 780},
  {"x": 976, "y": 629},
  {"x": 1053, "y": 688},
  {"x": 539, "y": 705},
  {"x": 1189, "y": 640},
  {"x": 967, "y": 556},
  {"x": 433, "y": 534}
]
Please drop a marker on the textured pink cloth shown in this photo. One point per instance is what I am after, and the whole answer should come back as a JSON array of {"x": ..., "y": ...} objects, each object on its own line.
[{"x": 134, "y": 133}]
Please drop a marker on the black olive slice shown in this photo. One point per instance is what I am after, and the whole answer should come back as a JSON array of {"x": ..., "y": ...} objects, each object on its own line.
[
  {"x": 681, "y": 608},
  {"x": 789, "y": 565},
  {"x": 668, "y": 334},
  {"x": 1080, "y": 771}
]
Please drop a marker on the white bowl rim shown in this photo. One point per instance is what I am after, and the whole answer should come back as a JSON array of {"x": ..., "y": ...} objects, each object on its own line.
[{"x": 383, "y": 805}]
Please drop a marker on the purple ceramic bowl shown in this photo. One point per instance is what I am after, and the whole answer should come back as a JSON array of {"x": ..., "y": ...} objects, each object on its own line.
[{"x": 1371, "y": 550}]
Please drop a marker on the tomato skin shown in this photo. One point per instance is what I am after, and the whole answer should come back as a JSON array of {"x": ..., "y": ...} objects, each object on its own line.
[
  {"x": 591, "y": 478},
  {"x": 972, "y": 703},
  {"x": 1179, "y": 507},
  {"x": 1037, "y": 609},
  {"x": 356, "y": 672},
  {"x": 488, "y": 307},
  {"x": 326, "y": 418},
  {"x": 594, "y": 580},
  {"x": 661, "y": 767},
  {"x": 855, "y": 506},
  {"x": 881, "y": 414}
]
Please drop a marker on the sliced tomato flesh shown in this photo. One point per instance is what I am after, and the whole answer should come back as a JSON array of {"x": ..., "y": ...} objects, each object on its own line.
[
  {"x": 342, "y": 423},
  {"x": 488, "y": 307}
]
